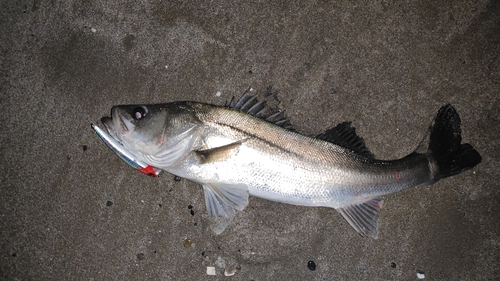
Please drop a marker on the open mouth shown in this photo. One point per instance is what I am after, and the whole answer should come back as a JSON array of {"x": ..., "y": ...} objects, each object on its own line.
[
  {"x": 122, "y": 122},
  {"x": 117, "y": 125}
]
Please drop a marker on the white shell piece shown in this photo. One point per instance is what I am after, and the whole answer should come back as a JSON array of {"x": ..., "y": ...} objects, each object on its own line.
[{"x": 210, "y": 270}]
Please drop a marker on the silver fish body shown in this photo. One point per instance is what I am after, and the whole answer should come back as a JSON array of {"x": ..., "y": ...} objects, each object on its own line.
[{"x": 233, "y": 154}]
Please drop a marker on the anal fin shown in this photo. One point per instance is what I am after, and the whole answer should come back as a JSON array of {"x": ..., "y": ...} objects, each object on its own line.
[{"x": 364, "y": 217}]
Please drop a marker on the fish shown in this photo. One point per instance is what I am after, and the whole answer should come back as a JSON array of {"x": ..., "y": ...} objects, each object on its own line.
[{"x": 240, "y": 150}]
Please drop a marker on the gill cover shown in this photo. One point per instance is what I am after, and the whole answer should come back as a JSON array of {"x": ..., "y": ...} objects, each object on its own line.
[{"x": 158, "y": 134}]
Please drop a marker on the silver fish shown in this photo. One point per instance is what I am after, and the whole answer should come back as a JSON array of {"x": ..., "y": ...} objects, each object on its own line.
[{"x": 234, "y": 152}]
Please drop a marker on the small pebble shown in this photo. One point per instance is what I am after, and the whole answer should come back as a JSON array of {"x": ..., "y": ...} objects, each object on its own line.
[
  {"x": 218, "y": 94},
  {"x": 311, "y": 265},
  {"x": 176, "y": 178},
  {"x": 109, "y": 203},
  {"x": 230, "y": 271},
  {"x": 84, "y": 148},
  {"x": 393, "y": 264},
  {"x": 420, "y": 275},
  {"x": 93, "y": 29},
  {"x": 187, "y": 243},
  {"x": 141, "y": 256}
]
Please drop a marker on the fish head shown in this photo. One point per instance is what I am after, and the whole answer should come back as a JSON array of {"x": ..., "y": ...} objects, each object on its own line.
[
  {"x": 154, "y": 130},
  {"x": 136, "y": 126}
]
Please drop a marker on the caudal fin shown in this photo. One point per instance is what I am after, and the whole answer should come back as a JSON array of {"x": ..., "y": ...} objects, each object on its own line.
[{"x": 449, "y": 154}]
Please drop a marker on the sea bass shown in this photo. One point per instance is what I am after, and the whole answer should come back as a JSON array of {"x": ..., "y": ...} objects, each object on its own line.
[{"x": 234, "y": 152}]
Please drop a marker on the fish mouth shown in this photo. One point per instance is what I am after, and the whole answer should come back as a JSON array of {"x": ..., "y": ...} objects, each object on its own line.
[
  {"x": 118, "y": 124},
  {"x": 108, "y": 124}
]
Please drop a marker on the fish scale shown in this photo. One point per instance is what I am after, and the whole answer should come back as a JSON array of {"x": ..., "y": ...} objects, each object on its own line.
[{"x": 323, "y": 166}]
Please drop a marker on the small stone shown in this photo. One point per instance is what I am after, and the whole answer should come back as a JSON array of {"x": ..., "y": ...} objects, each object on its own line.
[
  {"x": 177, "y": 178},
  {"x": 393, "y": 264},
  {"x": 420, "y": 275},
  {"x": 311, "y": 265},
  {"x": 230, "y": 271},
  {"x": 84, "y": 148},
  {"x": 141, "y": 256},
  {"x": 187, "y": 243},
  {"x": 220, "y": 262},
  {"x": 109, "y": 203}
]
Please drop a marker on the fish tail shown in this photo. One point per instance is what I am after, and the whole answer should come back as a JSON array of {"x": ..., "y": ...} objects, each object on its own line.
[{"x": 447, "y": 154}]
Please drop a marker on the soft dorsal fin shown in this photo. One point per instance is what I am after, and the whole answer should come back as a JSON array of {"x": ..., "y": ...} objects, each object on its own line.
[
  {"x": 249, "y": 104},
  {"x": 344, "y": 134}
]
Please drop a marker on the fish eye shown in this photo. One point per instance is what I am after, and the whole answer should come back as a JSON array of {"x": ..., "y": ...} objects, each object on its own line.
[{"x": 139, "y": 112}]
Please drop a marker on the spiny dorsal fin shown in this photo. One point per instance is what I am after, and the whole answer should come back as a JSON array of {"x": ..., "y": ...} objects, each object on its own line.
[
  {"x": 248, "y": 104},
  {"x": 344, "y": 134}
]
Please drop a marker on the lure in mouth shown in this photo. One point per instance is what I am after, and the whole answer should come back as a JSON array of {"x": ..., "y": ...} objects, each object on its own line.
[{"x": 125, "y": 154}]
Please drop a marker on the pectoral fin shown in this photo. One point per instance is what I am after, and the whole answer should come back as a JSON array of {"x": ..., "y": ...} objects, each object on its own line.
[
  {"x": 218, "y": 154},
  {"x": 364, "y": 217},
  {"x": 224, "y": 199}
]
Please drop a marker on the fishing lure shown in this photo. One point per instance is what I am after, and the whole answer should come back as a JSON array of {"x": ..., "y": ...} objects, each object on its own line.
[{"x": 125, "y": 154}]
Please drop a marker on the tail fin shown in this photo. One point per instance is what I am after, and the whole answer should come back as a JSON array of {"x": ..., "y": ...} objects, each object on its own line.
[{"x": 445, "y": 148}]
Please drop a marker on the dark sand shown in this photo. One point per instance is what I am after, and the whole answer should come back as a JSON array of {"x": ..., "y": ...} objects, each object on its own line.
[{"x": 71, "y": 210}]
